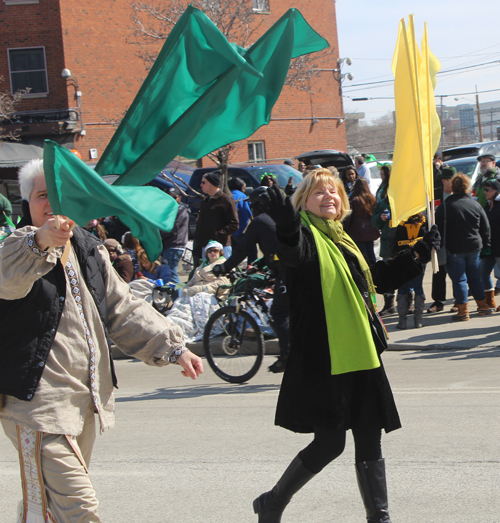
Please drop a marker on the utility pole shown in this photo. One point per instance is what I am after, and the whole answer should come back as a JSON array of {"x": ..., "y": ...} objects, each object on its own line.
[{"x": 479, "y": 117}]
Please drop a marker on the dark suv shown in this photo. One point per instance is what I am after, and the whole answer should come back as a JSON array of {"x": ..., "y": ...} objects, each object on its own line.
[{"x": 251, "y": 174}]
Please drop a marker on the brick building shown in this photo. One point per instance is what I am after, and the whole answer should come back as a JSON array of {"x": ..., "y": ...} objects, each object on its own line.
[{"x": 44, "y": 41}]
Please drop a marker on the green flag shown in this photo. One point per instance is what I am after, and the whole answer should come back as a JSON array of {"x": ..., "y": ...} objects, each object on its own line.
[
  {"x": 78, "y": 192},
  {"x": 203, "y": 93}
]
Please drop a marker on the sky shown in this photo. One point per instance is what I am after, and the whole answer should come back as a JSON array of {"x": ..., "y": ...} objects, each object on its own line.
[{"x": 461, "y": 33}]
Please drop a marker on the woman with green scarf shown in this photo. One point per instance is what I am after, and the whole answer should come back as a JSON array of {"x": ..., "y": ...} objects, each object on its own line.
[{"x": 334, "y": 380}]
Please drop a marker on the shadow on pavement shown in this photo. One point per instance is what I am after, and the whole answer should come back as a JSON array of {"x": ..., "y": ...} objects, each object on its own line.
[
  {"x": 201, "y": 390},
  {"x": 455, "y": 354}
]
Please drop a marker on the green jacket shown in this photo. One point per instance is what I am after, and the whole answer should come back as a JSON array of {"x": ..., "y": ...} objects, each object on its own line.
[
  {"x": 383, "y": 226},
  {"x": 5, "y": 207}
]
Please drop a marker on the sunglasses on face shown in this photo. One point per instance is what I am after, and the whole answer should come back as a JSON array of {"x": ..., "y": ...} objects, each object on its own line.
[
  {"x": 209, "y": 251},
  {"x": 203, "y": 182},
  {"x": 486, "y": 189}
]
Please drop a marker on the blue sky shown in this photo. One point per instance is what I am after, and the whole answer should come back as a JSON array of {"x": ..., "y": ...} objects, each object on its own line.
[{"x": 461, "y": 33}]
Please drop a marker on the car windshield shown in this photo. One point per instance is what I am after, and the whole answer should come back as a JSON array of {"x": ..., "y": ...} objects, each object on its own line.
[
  {"x": 464, "y": 165},
  {"x": 282, "y": 172}
]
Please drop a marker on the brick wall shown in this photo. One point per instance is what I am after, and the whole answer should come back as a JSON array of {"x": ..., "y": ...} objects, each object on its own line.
[{"x": 91, "y": 39}]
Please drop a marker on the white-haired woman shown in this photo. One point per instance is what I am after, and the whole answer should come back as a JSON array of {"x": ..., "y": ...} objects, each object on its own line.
[{"x": 334, "y": 379}]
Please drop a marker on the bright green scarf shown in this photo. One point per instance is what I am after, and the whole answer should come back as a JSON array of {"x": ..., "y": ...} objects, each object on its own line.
[{"x": 349, "y": 332}]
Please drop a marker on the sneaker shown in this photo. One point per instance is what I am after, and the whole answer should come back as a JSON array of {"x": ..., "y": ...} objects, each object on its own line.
[
  {"x": 437, "y": 306},
  {"x": 278, "y": 366}
]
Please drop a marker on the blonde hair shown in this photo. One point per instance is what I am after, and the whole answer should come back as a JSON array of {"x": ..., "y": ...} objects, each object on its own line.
[
  {"x": 320, "y": 178},
  {"x": 143, "y": 257}
]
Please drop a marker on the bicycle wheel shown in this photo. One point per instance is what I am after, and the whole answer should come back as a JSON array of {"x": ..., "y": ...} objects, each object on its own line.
[{"x": 234, "y": 344}]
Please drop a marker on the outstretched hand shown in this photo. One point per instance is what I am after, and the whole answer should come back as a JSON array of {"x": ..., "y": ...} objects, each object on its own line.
[
  {"x": 191, "y": 364},
  {"x": 54, "y": 233},
  {"x": 280, "y": 208}
]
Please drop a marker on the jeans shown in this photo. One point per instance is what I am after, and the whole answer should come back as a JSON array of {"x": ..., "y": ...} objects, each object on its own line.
[
  {"x": 172, "y": 258},
  {"x": 413, "y": 285},
  {"x": 487, "y": 265},
  {"x": 464, "y": 269}
]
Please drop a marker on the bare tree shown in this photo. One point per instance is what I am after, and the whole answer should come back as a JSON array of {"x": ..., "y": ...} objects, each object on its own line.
[
  {"x": 376, "y": 137},
  {"x": 7, "y": 110}
]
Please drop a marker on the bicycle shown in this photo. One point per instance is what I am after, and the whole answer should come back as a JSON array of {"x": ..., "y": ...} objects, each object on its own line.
[{"x": 233, "y": 340}]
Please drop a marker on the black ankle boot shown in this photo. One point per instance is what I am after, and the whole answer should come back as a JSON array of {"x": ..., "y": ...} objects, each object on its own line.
[
  {"x": 373, "y": 488},
  {"x": 270, "y": 505}
]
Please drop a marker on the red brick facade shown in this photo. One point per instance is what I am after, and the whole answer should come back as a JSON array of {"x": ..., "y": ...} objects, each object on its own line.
[{"x": 91, "y": 39}]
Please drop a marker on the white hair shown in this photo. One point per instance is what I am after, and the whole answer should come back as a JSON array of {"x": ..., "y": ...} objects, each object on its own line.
[{"x": 27, "y": 175}]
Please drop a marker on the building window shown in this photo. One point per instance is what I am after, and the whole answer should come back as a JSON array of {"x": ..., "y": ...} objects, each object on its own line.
[
  {"x": 256, "y": 151},
  {"x": 28, "y": 70},
  {"x": 260, "y": 6},
  {"x": 20, "y": 2}
]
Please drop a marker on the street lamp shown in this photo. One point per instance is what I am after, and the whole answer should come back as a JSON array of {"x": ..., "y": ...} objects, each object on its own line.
[
  {"x": 71, "y": 80},
  {"x": 340, "y": 77}
]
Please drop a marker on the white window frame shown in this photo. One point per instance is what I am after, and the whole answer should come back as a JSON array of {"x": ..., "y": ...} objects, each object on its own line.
[
  {"x": 20, "y": 2},
  {"x": 29, "y": 95},
  {"x": 253, "y": 151},
  {"x": 260, "y": 6}
]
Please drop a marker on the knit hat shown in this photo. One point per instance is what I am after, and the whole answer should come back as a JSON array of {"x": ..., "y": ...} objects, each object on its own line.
[
  {"x": 493, "y": 183},
  {"x": 212, "y": 244},
  {"x": 288, "y": 162},
  {"x": 214, "y": 177},
  {"x": 448, "y": 172},
  {"x": 113, "y": 245}
]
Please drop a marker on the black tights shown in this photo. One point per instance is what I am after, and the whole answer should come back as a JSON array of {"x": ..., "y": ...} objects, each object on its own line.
[{"x": 329, "y": 444}]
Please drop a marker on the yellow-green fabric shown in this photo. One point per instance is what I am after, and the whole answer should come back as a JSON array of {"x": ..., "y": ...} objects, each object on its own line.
[{"x": 349, "y": 332}]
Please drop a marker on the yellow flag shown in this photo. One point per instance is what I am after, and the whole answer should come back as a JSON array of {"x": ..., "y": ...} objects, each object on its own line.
[{"x": 418, "y": 128}]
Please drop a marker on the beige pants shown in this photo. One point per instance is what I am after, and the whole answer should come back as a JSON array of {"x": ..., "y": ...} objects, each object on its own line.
[{"x": 54, "y": 473}]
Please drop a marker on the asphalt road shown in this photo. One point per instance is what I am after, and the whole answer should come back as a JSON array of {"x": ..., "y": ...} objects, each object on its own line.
[{"x": 200, "y": 452}]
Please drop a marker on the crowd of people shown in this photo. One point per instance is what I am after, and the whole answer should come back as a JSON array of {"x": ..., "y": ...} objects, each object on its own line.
[{"x": 317, "y": 239}]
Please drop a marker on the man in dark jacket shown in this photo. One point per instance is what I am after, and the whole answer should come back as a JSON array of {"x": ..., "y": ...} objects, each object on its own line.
[
  {"x": 174, "y": 242},
  {"x": 262, "y": 232},
  {"x": 217, "y": 219},
  {"x": 60, "y": 299}
]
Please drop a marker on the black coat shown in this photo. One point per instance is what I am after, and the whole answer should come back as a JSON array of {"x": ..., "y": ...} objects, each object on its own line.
[
  {"x": 467, "y": 227},
  {"x": 493, "y": 215},
  {"x": 310, "y": 396}
]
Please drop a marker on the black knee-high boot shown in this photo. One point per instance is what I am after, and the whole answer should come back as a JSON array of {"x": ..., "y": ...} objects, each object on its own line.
[
  {"x": 373, "y": 488},
  {"x": 270, "y": 505}
]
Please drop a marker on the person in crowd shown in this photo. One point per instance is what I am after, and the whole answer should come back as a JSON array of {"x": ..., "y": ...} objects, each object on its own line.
[
  {"x": 5, "y": 210},
  {"x": 203, "y": 278},
  {"x": 121, "y": 261},
  {"x": 198, "y": 298},
  {"x": 385, "y": 174},
  {"x": 466, "y": 232},
  {"x": 289, "y": 162},
  {"x": 153, "y": 270},
  {"x": 489, "y": 171},
  {"x": 217, "y": 219},
  {"x": 237, "y": 187},
  {"x": 437, "y": 164},
  {"x": 362, "y": 168},
  {"x": 114, "y": 227},
  {"x": 348, "y": 178},
  {"x": 381, "y": 220},
  {"x": 175, "y": 241},
  {"x": 334, "y": 171},
  {"x": 407, "y": 234},
  {"x": 95, "y": 228},
  {"x": 268, "y": 179},
  {"x": 438, "y": 292},
  {"x": 60, "y": 299},
  {"x": 132, "y": 246},
  {"x": 301, "y": 167},
  {"x": 337, "y": 382},
  {"x": 491, "y": 257},
  {"x": 358, "y": 224},
  {"x": 261, "y": 232}
]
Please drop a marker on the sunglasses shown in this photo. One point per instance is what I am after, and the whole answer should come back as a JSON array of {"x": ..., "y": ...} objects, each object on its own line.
[
  {"x": 486, "y": 189},
  {"x": 203, "y": 182},
  {"x": 209, "y": 251}
]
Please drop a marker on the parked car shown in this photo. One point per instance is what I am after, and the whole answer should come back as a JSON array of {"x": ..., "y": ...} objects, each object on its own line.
[
  {"x": 251, "y": 174},
  {"x": 472, "y": 150},
  {"x": 326, "y": 158}
]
